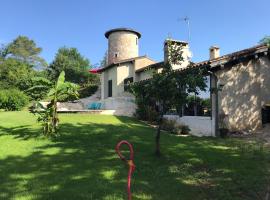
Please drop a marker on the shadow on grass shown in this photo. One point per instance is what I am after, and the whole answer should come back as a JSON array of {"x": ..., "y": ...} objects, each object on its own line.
[{"x": 82, "y": 164}]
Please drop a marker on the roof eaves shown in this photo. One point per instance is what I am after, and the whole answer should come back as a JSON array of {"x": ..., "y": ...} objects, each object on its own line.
[
  {"x": 120, "y": 62},
  {"x": 222, "y": 60},
  {"x": 243, "y": 54},
  {"x": 148, "y": 67}
]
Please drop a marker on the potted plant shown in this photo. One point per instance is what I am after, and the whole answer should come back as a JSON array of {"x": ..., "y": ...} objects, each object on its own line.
[{"x": 223, "y": 130}]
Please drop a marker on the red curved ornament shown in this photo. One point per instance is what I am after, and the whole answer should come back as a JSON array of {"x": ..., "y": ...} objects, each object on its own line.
[{"x": 130, "y": 162}]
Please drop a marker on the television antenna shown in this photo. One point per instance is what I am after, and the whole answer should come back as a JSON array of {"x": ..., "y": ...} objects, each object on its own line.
[
  {"x": 169, "y": 35},
  {"x": 186, "y": 20}
]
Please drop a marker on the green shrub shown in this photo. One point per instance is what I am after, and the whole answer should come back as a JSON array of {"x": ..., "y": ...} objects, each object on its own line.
[
  {"x": 84, "y": 91},
  {"x": 146, "y": 113},
  {"x": 168, "y": 125},
  {"x": 185, "y": 129},
  {"x": 13, "y": 99},
  {"x": 174, "y": 128},
  {"x": 87, "y": 91}
]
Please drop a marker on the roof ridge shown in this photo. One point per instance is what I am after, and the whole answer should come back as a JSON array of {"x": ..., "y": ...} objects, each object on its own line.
[
  {"x": 123, "y": 61},
  {"x": 236, "y": 53}
]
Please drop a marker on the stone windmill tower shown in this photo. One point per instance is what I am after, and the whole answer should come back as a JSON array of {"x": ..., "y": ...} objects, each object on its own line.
[{"x": 123, "y": 43}]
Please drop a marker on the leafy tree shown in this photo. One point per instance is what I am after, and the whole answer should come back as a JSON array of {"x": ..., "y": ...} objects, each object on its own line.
[
  {"x": 38, "y": 87},
  {"x": 76, "y": 68},
  {"x": 2, "y": 52},
  {"x": 73, "y": 63},
  {"x": 104, "y": 60},
  {"x": 265, "y": 40},
  {"x": 197, "y": 106},
  {"x": 206, "y": 104},
  {"x": 169, "y": 88},
  {"x": 48, "y": 115},
  {"x": 14, "y": 73},
  {"x": 24, "y": 49},
  {"x": 17, "y": 62}
]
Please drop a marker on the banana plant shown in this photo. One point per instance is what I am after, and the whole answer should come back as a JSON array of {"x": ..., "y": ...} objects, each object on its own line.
[{"x": 48, "y": 115}]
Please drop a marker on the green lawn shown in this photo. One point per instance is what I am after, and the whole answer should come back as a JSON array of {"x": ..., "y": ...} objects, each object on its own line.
[{"x": 82, "y": 164}]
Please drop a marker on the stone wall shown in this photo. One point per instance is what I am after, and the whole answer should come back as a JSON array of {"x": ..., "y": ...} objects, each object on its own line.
[
  {"x": 246, "y": 89},
  {"x": 124, "y": 106},
  {"x": 124, "y": 44},
  {"x": 65, "y": 106},
  {"x": 93, "y": 98},
  {"x": 264, "y": 65}
]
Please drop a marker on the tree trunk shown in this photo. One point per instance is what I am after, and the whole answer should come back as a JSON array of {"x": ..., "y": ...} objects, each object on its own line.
[
  {"x": 158, "y": 153},
  {"x": 54, "y": 116},
  {"x": 195, "y": 106}
]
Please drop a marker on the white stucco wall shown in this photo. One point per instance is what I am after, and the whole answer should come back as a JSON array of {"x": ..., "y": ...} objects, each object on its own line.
[
  {"x": 117, "y": 74},
  {"x": 125, "y": 70},
  {"x": 110, "y": 74},
  {"x": 124, "y": 106},
  {"x": 144, "y": 75},
  {"x": 199, "y": 126}
]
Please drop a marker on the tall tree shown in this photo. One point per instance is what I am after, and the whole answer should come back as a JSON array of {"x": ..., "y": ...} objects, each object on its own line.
[
  {"x": 15, "y": 74},
  {"x": 73, "y": 63},
  {"x": 38, "y": 87},
  {"x": 169, "y": 88},
  {"x": 76, "y": 68},
  {"x": 18, "y": 60},
  {"x": 2, "y": 52},
  {"x": 104, "y": 60},
  {"x": 24, "y": 49},
  {"x": 265, "y": 40}
]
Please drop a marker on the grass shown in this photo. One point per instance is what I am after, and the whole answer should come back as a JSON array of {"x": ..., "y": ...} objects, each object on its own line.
[{"x": 82, "y": 164}]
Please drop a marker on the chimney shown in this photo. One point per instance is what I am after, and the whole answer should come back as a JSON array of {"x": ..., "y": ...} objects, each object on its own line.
[
  {"x": 185, "y": 49},
  {"x": 214, "y": 52}
]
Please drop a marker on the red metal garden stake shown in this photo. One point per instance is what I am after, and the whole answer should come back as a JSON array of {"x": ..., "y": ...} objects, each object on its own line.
[{"x": 129, "y": 162}]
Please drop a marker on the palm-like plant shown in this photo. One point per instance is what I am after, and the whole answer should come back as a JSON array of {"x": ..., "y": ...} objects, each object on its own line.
[{"x": 48, "y": 115}]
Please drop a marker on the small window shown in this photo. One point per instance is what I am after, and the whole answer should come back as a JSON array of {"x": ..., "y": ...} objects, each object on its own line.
[
  {"x": 116, "y": 55},
  {"x": 127, "y": 81},
  {"x": 136, "y": 41}
]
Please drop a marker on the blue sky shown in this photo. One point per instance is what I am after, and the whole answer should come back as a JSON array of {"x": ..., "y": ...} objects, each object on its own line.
[{"x": 230, "y": 24}]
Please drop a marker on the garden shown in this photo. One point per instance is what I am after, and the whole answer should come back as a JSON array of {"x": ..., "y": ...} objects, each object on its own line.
[
  {"x": 75, "y": 156},
  {"x": 81, "y": 163}
]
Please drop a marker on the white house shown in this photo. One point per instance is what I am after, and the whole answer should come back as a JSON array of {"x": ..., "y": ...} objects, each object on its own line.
[
  {"x": 239, "y": 82},
  {"x": 125, "y": 65}
]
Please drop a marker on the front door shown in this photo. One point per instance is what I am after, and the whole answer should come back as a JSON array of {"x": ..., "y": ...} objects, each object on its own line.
[
  {"x": 266, "y": 114},
  {"x": 109, "y": 88}
]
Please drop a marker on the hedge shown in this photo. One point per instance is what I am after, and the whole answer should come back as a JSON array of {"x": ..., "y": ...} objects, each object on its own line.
[{"x": 13, "y": 99}]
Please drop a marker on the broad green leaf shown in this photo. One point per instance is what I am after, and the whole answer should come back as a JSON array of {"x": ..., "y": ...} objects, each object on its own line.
[{"x": 60, "y": 80}]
